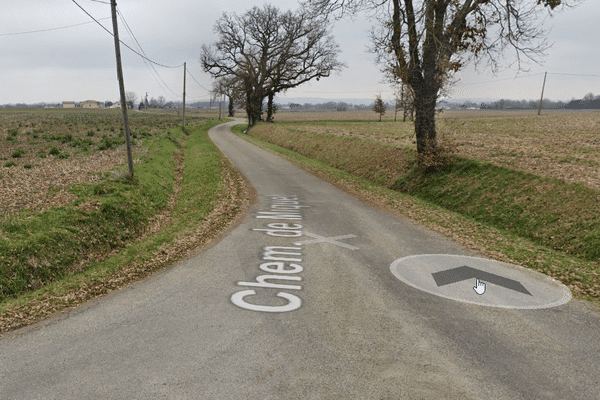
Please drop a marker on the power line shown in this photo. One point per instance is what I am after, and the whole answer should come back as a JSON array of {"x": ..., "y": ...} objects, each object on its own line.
[
  {"x": 123, "y": 43},
  {"x": 499, "y": 80},
  {"x": 130, "y": 32},
  {"x": 51, "y": 29},
  {"x": 192, "y": 76},
  {"x": 558, "y": 73}
]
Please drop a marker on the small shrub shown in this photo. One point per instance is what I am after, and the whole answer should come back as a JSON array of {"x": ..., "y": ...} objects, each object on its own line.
[
  {"x": 13, "y": 132},
  {"x": 63, "y": 156},
  {"x": 41, "y": 154},
  {"x": 108, "y": 142},
  {"x": 91, "y": 132},
  {"x": 18, "y": 153},
  {"x": 54, "y": 151},
  {"x": 27, "y": 166},
  {"x": 10, "y": 138},
  {"x": 105, "y": 144},
  {"x": 67, "y": 137},
  {"x": 10, "y": 164}
]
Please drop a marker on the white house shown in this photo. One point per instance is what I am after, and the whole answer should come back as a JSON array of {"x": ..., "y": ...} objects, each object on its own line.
[{"x": 68, "y": 104}]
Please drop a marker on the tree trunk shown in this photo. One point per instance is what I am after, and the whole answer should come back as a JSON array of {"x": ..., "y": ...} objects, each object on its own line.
[
  {"x": 425, "y": 132},
  {"x": 254, "y": 110},
  {"x": 231, "y": 107},
  {"x": 254, "y": 99},
  {"x": 270, "y": 107}
]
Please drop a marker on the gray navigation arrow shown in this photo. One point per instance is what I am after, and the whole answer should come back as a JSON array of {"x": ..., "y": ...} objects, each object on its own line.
[{"x": 464, "y": 273}]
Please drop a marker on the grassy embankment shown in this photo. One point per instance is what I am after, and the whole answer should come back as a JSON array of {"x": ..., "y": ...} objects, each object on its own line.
[
  {"x": 545, "y": 224},
  {"x": 117, "y": 230}
]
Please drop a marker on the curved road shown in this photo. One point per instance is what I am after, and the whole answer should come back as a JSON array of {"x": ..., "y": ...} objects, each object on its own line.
[{"x": 298, "y": 302}]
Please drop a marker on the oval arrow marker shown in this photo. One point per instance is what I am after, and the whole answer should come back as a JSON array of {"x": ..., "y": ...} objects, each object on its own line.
[
  {"x": 505, "y": 285},
  {"x": 465, "y": 273}
]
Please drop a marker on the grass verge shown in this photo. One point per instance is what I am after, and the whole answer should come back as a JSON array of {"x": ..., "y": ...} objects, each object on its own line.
[
  {"x": 120, "y": 230},
  {"x": 500, "y": 213}
]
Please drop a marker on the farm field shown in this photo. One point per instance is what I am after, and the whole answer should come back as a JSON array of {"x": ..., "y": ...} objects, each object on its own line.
[
  {"x": 557, "y": 144},
  {"x": 43, "y": 152}
]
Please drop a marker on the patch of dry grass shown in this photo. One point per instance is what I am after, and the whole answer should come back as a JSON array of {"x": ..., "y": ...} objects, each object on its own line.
[
  {"x": 76, "y": 133},
  {"x": 560, "y": 144}
]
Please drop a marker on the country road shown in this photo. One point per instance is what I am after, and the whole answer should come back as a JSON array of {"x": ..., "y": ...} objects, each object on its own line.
[{"x": 315, "y": 295}]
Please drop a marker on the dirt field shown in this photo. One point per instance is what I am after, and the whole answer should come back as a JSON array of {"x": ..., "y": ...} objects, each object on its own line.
[
  {"x": 563, "y": 145},
  {"x": 32, "y": 178},
  {"x": 559, "y": 144}
]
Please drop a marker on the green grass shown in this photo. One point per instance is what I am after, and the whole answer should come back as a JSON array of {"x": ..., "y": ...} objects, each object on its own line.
[
  {"x": 564, "y": 216},
  {"x": 544, "y": 224},
  {"x": 39, "y": 252},
  {"x": 18, "y": 153}
]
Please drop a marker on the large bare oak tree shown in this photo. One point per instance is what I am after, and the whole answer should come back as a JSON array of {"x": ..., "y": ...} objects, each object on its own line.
[
  {"x": 425, "y": 41},
  {"x": 269, "y": 51}
]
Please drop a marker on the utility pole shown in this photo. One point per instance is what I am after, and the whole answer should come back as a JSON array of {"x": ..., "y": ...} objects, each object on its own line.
[
  {"x": 184, "y": 73},
  {"x": 542, "y": 98},
  {"x": 113, "y": 4}
]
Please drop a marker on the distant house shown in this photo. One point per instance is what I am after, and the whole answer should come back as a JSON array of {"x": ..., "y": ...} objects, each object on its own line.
[
  {"x": 68, "y": 104},
  {"x": 91, "y": 104}
]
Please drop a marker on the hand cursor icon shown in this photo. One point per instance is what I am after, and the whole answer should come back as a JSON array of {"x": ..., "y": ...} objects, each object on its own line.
[{"x": 479, "y": 287}]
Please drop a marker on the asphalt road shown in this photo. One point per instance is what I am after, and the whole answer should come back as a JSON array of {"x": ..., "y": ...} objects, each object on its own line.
[{"x": 298, "y": 302}]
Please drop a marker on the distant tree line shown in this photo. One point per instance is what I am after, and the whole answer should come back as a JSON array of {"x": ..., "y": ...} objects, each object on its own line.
[
  {"x": 589, "y": 101},
  {"x": 329, "y": 105},
  {"x": 505, "y": 104},
  {"x": 32, "y": 105}
]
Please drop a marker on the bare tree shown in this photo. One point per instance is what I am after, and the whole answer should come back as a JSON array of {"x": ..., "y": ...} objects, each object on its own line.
[
  {"x": 405, "y": 100},
  {"x": 153, "y": 103},
  {"x": 268, "y": 51},
  {"x": 425, "y": 41},
  {"x": 161, "y": 101},
  {"x": 310, "y": 52},
  {"x": 130, "y": 98},
  {"x": 231, "y": 87}
]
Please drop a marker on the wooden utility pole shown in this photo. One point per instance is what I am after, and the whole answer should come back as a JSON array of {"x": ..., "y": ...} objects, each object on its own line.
[
  {"x": 542, "y": 98},
  {"x": 113, "y": 4},
  {"x": 184, "y": 73}
]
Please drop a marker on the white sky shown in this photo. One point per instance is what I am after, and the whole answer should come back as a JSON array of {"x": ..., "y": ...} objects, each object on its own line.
[{"x": 78, "y": 63}]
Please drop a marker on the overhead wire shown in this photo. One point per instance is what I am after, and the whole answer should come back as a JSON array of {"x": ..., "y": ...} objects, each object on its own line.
[
  {"x": 192, "y": 76},
  {"x": 499, "y": 80},
  {"x": 150, "y": 66},
  {"x": 123, "y": 43},
  {"x": 50, "y": 29},
  {"x": 559, "y": 73}
]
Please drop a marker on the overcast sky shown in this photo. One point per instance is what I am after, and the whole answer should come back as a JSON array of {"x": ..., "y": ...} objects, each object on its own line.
[{"x": 78, "y": 63}]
